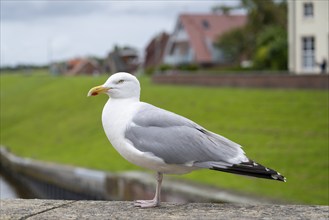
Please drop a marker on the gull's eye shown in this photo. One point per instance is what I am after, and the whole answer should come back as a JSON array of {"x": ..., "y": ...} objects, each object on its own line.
[{"x": 120, "y": 81}]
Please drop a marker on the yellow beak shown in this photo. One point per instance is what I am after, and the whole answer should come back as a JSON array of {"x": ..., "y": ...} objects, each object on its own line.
[{"x": 97, "y": 90}]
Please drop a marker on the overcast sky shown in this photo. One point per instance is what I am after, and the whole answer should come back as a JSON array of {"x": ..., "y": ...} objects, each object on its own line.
[{"x": 35, "y": 32}]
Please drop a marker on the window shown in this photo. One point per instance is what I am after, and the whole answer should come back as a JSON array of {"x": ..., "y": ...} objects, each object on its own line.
[
  {"x": 205, "y": 24},
  {"x": 308, "y": 10},
  {"x": 308, "y": 53},
  {"x": 180, "y": 27}
]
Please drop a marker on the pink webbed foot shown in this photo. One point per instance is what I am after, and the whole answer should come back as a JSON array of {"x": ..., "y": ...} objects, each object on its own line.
[{"x": 146, "y": 203}]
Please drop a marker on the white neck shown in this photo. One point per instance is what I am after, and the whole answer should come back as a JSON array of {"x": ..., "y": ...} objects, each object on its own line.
[{"x": 130, "y": 99}]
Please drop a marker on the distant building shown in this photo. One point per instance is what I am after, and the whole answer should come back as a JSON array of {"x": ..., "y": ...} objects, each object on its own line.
[
  {"x": 308, "y": 30},
  {"x": 154, "y": 51},
  {"x": 122, "y": 60},
  {"x": 79, "y": 66},
  {"x": 192, "y": 40}
]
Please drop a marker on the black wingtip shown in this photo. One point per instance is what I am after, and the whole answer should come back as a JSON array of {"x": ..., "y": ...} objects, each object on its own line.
[
  {"x": 278, "y": 177},
  {"x": 253, "y": 169}
]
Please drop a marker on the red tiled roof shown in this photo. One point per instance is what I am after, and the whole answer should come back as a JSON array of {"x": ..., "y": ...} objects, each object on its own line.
[
  {"x": 74, "y": 62},
  {"x": 196, "y": 28},
  {"x": 77, "y": 66}
]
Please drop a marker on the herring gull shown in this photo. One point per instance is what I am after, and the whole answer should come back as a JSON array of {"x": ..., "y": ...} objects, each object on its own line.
[{"x": 165, "y": 142}]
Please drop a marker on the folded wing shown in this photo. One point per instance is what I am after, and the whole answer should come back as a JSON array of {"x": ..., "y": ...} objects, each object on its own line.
[{"x": 178, "y": 140}]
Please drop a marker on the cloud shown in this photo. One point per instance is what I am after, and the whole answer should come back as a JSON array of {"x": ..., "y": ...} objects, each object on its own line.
[
  {"x": 31, "y": 10},
  {"x": 39, "y": 31},
  {"x": 22, "y": 10}
]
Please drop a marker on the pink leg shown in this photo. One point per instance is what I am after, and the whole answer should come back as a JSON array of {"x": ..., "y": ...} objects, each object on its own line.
[{"x": 156, "y": 200}]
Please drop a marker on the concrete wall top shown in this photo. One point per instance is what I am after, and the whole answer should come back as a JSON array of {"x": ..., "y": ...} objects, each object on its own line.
[{"x": 60, "y": 209}]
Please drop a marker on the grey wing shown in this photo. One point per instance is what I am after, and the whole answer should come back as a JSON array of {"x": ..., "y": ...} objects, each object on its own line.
[{"x": 178, "y": 140}]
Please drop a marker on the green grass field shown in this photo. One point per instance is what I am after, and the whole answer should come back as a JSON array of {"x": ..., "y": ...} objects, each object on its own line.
[{"x": 51, "y": 119}]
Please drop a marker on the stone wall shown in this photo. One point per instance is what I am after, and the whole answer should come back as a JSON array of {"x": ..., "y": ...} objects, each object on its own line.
[{"x": 59, "y": 209}]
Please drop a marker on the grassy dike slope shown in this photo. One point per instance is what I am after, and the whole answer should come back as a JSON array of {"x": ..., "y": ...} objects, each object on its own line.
[{"x": 50, "y": 118}]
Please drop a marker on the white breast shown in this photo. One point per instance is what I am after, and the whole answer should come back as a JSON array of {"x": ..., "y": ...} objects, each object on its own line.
[
  {"x": 115, "y": 118},
  {"x": 117, "y": 115}
]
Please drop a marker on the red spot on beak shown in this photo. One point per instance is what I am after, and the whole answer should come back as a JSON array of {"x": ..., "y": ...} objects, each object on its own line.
[{"x": 94, "y": 93}]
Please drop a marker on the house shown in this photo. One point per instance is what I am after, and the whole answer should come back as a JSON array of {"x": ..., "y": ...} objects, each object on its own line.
[
  {"x": 80, "y": 66},
  {"x": 154, "y": 51},
  {"x": 122, "y": 60},
  {"x": 308, "y": 36},
  {"x": 192, "y": 40}
]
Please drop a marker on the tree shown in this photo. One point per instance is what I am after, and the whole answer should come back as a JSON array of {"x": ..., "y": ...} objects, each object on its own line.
[
  {"x": 245, "y": 43},
  {"x": 222, "y": 9},
  {"x": 234, "y": 44},
  {"x": 272, "y": 49},
  {"x": 263, "y": 13}
]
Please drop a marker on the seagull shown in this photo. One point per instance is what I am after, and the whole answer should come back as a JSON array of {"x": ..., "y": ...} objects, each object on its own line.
[{"x": 165, "y": 142}]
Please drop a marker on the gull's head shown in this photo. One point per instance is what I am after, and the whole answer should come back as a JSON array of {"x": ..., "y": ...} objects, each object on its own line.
[{"x": 119, "y": 85}]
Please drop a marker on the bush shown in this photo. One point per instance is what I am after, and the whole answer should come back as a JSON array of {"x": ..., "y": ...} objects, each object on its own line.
[
  {"x": 149, "y": 71},
  {"x": 188, "y": 67},
  {"x": 165, "y": 67}
]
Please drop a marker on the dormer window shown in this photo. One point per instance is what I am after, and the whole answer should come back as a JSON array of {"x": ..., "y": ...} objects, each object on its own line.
[
  {"x": 308, "y": 10},
  {"x": 205, "y": 24}
]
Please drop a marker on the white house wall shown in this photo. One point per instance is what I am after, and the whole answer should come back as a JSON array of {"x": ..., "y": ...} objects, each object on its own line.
[
  {"x": 176, "y": 58},
  {"x": 300, "y": 26}
]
